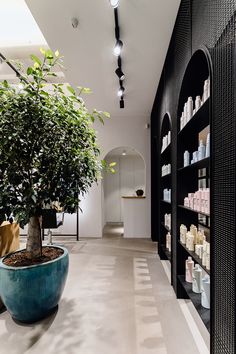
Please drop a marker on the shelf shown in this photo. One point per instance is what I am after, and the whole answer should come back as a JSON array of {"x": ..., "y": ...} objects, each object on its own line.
[
  {"x": 203, "y": 225},
  {"x": 195, "y": 257},
  {"x": 196, "y": 300},
  {"x": 168, "y": 175},
  {"x": 193, "y": 211},
  {"x": 167, "y": 252},
  {"x": 165, "y": 201},
  {"x": 204, "y": 163},
  {"x": 166, "y": 227},
  {"x": 198, "y": 122}
]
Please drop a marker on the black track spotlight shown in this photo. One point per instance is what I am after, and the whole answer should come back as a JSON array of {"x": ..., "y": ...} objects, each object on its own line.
[
  {"x": 122, "y": 103},
  {"x": 120, "y": 74},
  {"x": 118, "y": 48},
  {"x": 121, "y": 91},
  {"x": 114, "y": 3}
]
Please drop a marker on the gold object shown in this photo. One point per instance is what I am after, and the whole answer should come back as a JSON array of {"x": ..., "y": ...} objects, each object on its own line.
[{"x": 9, "y": 238}]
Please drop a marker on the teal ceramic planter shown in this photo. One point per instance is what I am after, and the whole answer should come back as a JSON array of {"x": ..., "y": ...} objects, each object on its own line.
[{"x": 31, "y": 293}]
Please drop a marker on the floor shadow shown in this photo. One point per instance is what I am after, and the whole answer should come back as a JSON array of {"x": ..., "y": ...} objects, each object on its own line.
[{"x": 59, "y": 332}]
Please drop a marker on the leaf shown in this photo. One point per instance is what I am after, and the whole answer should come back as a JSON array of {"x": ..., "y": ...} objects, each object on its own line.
[
  {"x": 86, "y": 90},
  {"x": 106, "y": 114},
  {"x": 49, "y": 54},
  {"x": 57, "y": 53},
  {"x": 36, "y": 65},
  {"x": 44, "y": 93},
  {"x": 112, "y": 170},
  {"x": 43, "y": 51},
  {"x": 112, "y": 164},
  {"x": 29, "y": 70},
  {"x": 101, "y": 119},
  {"x": 36, "y": 59},
  {"x": 5, "y": 84},
  {"x": 71, "y": 90}
]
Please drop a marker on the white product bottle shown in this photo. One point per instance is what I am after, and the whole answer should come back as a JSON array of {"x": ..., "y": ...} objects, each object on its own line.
[
  {"x": 209, "y": 88},
  {"x": 198, "y": 103},
  {"x": 189, "y": 264},
  {"x": 185, "y": 114},
  {"x": 205, "y": 90},
  {"x": 186, "y": 158},
  {"x": 169, "y": 138},
  {"x": 191, "y": 242},
  {"x": 189, "y": 108},
  {"x": 208, "y": 261},
  {"x": 195, "y": 156},
  {"x": 197, "y": 279},
  {"x": 208, "y": 145},
  {"x": 181, "y": 122},
  {"x": 183, "y": 232},
  {"x": 205, "y": 298},
  {"x": 201, "y": 151},
  {"x": 167, "y": 240}
]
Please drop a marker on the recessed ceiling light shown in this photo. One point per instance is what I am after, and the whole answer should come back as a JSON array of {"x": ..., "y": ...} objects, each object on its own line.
[
  {"x": 114, "y": 3},
  {"x": 124, "y": 153}
]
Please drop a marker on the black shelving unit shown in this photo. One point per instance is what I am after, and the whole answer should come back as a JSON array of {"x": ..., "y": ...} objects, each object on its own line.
[
  {"x": 166, "y": 252},
  {"x": 165, "y": 182},
  {"x": 193, "y": 211},
  {"x": 196, "y": 300},
  {"x": 207, "y": 27},
  {"x": 194, "y": 176}
]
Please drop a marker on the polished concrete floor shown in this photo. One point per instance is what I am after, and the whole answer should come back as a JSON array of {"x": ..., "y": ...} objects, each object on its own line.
[{"x": 117, "y": 300}]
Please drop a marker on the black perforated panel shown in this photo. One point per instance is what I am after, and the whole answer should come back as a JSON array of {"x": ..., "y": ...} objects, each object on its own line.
[{"x": 209, "y": 23}]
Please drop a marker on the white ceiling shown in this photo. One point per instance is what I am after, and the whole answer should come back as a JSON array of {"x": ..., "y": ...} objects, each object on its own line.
[{"x": 145, "y": 29}]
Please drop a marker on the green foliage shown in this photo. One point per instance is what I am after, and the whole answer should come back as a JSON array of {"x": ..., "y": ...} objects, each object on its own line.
[
  {"x": 48, "y": 148},
  {"x": 108, "y": 167}
]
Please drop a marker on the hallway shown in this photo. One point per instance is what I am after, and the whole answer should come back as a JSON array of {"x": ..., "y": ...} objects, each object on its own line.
[{"x": 117, "y": 300}]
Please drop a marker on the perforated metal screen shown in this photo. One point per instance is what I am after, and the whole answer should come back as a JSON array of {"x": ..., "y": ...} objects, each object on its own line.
[{"x": 209, "y": 23}]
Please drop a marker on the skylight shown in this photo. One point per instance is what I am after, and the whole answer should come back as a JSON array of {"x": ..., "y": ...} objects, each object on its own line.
[{"x": 17, "y": 26}]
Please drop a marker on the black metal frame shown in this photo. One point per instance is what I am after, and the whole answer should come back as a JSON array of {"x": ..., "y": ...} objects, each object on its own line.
[{"x": 211, "y": 25}]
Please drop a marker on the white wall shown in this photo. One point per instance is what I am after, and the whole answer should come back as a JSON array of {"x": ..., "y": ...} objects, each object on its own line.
[
  {"x": 116, "y": 132},
  {"x": 129, "y": 176}
]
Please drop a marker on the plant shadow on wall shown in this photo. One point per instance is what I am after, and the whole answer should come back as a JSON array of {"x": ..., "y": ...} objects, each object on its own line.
[{"x": 48, "y": 157}]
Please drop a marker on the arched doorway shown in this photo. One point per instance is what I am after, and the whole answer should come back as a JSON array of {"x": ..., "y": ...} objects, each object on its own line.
[{"x": 129, "y": 177}]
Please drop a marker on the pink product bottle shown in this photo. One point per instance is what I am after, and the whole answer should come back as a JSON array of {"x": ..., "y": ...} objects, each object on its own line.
[{"x": 189, "y": 264}]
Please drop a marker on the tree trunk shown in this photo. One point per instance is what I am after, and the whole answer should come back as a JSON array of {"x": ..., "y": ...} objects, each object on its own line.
[{"x": 34, "y": 243}]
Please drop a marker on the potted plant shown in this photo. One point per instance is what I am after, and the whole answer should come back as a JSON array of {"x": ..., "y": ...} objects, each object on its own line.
[{"x": 48, "y": 156}]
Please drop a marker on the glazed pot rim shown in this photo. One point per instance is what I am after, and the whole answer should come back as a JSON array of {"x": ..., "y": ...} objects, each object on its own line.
[{"x": 5, "y": 266}]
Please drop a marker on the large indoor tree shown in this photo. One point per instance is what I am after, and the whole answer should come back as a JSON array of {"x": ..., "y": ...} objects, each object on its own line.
[{"x": 48, "y": 148}]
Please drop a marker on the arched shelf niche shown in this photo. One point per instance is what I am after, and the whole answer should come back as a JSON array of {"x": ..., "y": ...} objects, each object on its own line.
[
  {"x": 198, "y": 70},
  {"x": 193, "y": 170},
  {"x": 165, "y": 241}
]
